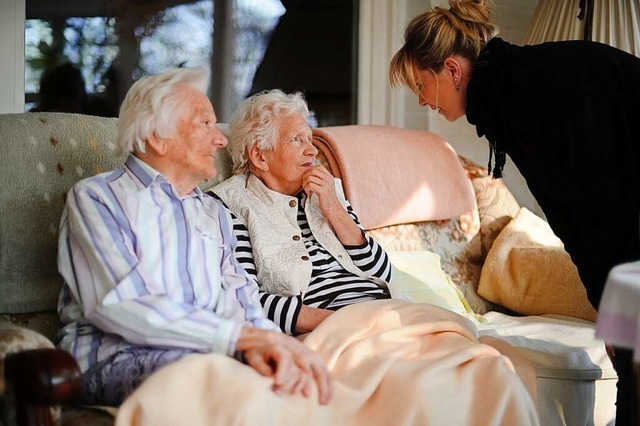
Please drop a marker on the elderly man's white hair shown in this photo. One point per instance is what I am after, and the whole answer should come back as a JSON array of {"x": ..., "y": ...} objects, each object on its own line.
[
  {"x": 152, "y": 105},
  {"x": 256, "y": 123}
]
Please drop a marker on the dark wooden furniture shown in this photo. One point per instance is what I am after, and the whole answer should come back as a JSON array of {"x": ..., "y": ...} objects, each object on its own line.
[{"x": 40, "y": 379}]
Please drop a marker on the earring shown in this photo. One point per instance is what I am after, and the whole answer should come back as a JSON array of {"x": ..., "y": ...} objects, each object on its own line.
[{"x": 457, "y": 84}]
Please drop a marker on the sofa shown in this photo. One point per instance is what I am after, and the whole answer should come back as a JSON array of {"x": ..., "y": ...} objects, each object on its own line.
[{"x": 518, "y": 288}]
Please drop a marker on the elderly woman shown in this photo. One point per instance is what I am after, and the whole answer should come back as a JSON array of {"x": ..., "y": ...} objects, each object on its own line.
[{"x": 297, "y": 234}]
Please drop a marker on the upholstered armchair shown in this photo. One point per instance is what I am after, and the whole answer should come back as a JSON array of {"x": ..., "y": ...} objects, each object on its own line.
[{"x": 43, "y": 154}]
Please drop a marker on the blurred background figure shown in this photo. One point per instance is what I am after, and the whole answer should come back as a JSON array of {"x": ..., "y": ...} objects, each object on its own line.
[{"x": 62, "y": 89}]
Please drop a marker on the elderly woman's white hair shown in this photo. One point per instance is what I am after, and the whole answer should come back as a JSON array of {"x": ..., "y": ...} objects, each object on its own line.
[
  {"x": 256, "y": 122},
  {"x": 151, "y": 106}
]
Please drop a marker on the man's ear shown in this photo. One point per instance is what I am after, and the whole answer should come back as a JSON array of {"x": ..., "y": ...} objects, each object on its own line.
[
  {"x": 257, "y": 158},
  {"x": 156, "y": 144}
]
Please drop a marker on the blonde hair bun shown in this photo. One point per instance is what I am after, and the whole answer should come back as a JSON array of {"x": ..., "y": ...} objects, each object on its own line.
[{"x": 477, "y": 11}]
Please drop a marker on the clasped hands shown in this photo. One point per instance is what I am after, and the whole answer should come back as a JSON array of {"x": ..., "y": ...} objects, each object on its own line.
[{"x": 293, "y": 366}]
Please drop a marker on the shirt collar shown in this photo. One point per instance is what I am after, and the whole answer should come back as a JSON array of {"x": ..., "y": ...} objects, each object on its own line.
[{"x": 147, "y": 175}]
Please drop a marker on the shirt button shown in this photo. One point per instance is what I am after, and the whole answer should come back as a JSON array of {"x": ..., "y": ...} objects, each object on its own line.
[
  {"x": 305, "y": 258},
  {"x": 292, "y": 203},
  {"x": 296, "y": 238}
]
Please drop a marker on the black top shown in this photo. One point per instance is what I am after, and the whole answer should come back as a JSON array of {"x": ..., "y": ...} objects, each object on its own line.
[{"x": 568, "y": 115}]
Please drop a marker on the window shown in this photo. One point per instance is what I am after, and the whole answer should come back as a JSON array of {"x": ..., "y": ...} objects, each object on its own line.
[{"x": 82, "y": 56}]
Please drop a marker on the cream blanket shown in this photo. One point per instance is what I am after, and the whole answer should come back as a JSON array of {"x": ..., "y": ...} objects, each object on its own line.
[{"x": 395, "y": 363}]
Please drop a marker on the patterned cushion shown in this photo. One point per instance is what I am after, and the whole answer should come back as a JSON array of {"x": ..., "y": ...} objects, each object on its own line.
[
  {"x": 46, "y": 323},
  {"x": 496, "y": 205},
  {"x": 455, "y": 240}
]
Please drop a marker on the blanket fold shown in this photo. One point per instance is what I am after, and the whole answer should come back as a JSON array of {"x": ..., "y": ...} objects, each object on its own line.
[
  {"x": 393, "y": 362},
  {"x": 386, "y": 189}
]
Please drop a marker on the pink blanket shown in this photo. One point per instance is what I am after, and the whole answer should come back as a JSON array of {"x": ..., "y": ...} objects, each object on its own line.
[
  {"x": 394, "y": 363},
  {"x": 393, "y": 175}
]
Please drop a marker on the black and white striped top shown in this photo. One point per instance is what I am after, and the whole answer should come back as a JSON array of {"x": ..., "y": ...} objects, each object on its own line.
[{"x": 331, "y": 286}]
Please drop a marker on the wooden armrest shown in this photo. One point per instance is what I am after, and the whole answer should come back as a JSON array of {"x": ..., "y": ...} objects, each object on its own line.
[{"x": 41, "y": 378}]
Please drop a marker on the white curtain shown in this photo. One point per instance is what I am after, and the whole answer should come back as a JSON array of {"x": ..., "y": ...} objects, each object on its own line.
[{"x": 615, "y": 22}]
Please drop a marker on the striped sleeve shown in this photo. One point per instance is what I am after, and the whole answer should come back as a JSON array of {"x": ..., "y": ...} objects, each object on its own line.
[
  {"x": 369, "y": 257},
  {"x": 281, "y": 310}
]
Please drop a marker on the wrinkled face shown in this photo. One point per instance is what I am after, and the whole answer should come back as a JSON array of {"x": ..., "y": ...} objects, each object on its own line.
[
  {"x": 291, "y": 157},
  {"x": 197, "y": 138},
  {"x": 438, "y": 92}
]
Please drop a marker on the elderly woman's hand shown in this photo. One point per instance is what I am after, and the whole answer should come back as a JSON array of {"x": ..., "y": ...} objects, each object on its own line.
[
  {"x": 293, "y": 366},
  {"x": 319, "y": 181}
]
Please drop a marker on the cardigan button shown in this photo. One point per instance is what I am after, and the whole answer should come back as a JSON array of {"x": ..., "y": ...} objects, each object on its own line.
[
  {"x": 292, "y": 203},
  {"x": 305, "y": 258},
  {"x": 296, "y": 238}
]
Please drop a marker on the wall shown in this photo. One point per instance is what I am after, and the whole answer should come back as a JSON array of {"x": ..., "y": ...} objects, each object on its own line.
[
  {"x": 12, "y": 15},
  {"x": 382, "y": 26}
]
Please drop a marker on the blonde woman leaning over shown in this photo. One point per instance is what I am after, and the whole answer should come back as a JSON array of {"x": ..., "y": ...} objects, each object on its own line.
[{"x": 565, "y": 112}]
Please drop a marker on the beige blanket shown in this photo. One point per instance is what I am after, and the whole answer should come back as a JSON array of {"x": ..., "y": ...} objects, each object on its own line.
[
  {"x": 395, "y": 363},
  {"x": 393, "y": 176}
]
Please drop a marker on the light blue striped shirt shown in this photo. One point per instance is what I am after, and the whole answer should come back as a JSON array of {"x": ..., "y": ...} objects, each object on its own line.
[{"x": 145, "y": 266}]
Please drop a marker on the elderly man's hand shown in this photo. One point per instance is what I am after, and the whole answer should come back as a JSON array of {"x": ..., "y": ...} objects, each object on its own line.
[
  {"x": 318, "y": 180},
  {"x": 293, "y": 366}
]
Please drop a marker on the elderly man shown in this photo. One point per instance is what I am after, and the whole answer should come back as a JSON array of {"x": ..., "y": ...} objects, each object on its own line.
[{"x": 148, "y": 260}]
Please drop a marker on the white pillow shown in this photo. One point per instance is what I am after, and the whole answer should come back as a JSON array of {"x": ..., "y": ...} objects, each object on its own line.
[{"x": 418, "y": 277}]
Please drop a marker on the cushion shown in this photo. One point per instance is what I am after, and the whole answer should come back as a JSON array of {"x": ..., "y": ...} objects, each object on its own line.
[
  {"x": 456, "y": 241},
  {"x": 418, "y": 277},
  {"x": 496, "y": 205},
  {"x": 528, "y": 271},
  {"x": 394, "y": 176}
]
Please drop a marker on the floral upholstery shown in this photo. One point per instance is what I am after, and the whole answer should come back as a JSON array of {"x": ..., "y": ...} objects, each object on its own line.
[
  {"x": 46, "y": 323},
  {"x": 457, "y": 243},
  {"x": 496, "y": 204}
]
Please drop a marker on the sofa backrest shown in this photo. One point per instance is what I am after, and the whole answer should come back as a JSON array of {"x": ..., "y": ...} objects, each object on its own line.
[{"x": 44, "y": 154}]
